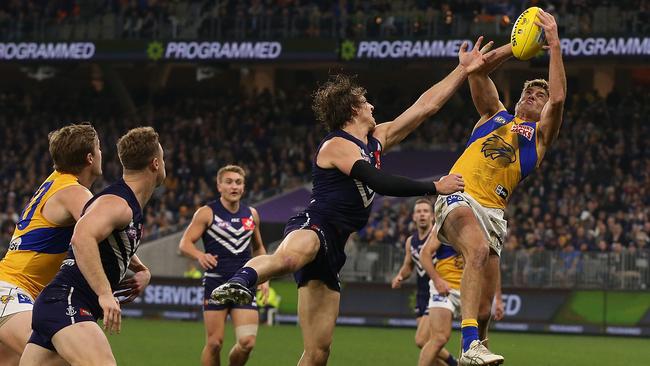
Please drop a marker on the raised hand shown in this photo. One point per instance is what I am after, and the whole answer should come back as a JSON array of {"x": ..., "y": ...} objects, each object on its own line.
[
  {"x": 547, "y": 22},
  {"x": 476, "y": 58}
]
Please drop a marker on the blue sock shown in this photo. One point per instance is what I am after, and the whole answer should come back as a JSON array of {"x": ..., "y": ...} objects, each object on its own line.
[
  {"x": 451, "y": 361},
  {"x": 246, "y": 276},
  {"x": 470, "y": 334}
]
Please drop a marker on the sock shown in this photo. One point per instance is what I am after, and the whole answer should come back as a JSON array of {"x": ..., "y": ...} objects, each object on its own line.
[
  {"x": 246, "y": 276},
  {"x": 451, "y": 361},
  {"x": 469, "y": 331}
]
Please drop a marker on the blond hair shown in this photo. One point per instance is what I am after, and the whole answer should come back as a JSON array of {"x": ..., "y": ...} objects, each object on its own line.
[
  {"x": 536, "y": 82},
  {"x": 138, "y": 147},
  {"x": 70, "y": 145},
  {"x": 230, "y": 168}
]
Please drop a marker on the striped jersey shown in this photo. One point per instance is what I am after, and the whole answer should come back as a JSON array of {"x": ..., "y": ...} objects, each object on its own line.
[{"x": 422, "y": 279}]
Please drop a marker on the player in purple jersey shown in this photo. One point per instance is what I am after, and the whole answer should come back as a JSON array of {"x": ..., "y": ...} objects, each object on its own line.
[
  {"x": 231, "y": 236},
  {"x": 103, "y": 247},
  {"x": 346, "y": 176},
  {"x": 423, "y": 219}
]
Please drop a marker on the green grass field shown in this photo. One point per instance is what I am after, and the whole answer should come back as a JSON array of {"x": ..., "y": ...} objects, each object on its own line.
[{"x": 158, "y": 342}]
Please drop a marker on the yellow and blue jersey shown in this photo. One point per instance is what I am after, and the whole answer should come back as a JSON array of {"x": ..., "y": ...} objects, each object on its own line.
[
  {"x": 38, "y": 246},
  {"x": 499, "y": 154},
  {"x": 449, "y": 265}
]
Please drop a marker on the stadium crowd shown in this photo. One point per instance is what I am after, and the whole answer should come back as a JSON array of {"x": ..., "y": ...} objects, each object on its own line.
[
  {"x": 590, "y": 194},
  {"x": 114, "y": 19}
]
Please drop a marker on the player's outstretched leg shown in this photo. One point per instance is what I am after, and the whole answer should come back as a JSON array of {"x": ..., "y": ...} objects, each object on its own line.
[{"x": 296, "y": 250}]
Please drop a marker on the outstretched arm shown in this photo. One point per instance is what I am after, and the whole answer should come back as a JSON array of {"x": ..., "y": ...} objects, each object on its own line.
[
  {"x": 407, "y": 266},
  {"x": 430, "y": 102},
  {"x": 484, "y": 93},
  {"x": 551, "y": 118}
]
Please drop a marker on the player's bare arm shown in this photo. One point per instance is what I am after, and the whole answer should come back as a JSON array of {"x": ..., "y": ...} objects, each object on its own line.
[
  {"x": 484, "y": 93},
  {"x": 426, "y": 259},
  {"x": 134, "y": 286},
  {"x": 105, "y": 215},
  {"x": 65, "y": 206},
  {"x": 551, "y": 118},
  {"x": 344, "y": 155},
  {"x": 187, "y": 246},
  {"x": 407, "y": 266},
  {"x": 258, "y": 249},
  {"x": 432, "y": 100}
]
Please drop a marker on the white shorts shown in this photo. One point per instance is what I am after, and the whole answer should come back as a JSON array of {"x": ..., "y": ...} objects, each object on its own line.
[
  {"x": 13, "y": 300},
  {"x": 450, "y": 302},
  {"x": 490, "y": 219}
]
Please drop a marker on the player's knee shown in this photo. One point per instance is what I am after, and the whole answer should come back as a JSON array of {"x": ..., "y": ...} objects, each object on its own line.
[
  {"x": 214, "y": 344},
  {"x": 420, "y": 340},
  {"x": 247, "y": 343},
  {"x": 439, "y": 340},
  {"x": 318, "y": 355},
  {"x": 478, "y": 255}
]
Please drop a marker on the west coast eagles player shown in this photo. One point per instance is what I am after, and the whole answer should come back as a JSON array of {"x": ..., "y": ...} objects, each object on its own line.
[
  {"x": 502, "y": 150},
  {"x": 42, "y": 235},
  {"x": 231, "y": 236}
]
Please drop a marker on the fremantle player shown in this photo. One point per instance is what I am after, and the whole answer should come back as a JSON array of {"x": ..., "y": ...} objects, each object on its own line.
[
  {"x": 230, "y": 233},
  {"x": 103, "y": 247},
  {"x": 346, "y": 176},
  {"x": 42, "y": 236},
  {"x": 502, "y": 150},
  {"x": 423, "y": 219}
]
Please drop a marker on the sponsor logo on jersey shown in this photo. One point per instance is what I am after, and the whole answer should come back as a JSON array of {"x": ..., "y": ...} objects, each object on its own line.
[
  {"x": 501, "y": 191},
  {"x": 377, "y": 155},
  {"x": 453, "y": 199},
  {"x": 84, "y": 312},
  {"x": 24, "y": 299},
  {"x": 70, "y": 311},
  {"x": 500, "y": 120},
  {"x": 67, "y": 263},
  {"x": 234, "y": 219},
  {"x": 495, "y": 147},
  {"x": 439, "y": 298},
  {"x": 248, "y": 223},
  {"x": 6, "y": 298},
  {"x": 15, "y": 244},
  {"x": 523, "y": 130},
  {"x": 132, "y": 232}
]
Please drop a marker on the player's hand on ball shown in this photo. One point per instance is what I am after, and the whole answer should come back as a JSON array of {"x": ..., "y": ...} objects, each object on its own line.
[
  {"x": 450, "y": 183},
  {"x": 547, "y": 22},
  {"x": 473, "y": 60},
  {"x": 397, "y": 282},
  {"x": 264, "y": 288},
  {"x": 207, "y": 261},
  {"x": 112, "y": 313}
]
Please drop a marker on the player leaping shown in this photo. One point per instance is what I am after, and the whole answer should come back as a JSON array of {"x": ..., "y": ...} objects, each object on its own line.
[
  {"x": 502, "y": 150},
  {"x": 346, "y": 177}
]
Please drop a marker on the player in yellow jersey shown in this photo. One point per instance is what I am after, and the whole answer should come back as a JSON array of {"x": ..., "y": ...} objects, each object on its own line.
[
  {"x": 42, "y": 235},
  {"x": 444, "y": 298},
  {"x": 502, "y": 150}
]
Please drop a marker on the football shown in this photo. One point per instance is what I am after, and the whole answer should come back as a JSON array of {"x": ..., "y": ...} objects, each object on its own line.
[{"x": 527, "y": 38}]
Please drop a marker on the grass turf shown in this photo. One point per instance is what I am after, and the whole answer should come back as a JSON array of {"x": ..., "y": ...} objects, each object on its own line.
[{"x": 158, "y": 342}]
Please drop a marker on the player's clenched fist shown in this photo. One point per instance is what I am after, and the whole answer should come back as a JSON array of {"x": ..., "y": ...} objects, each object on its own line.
[{"x": 450, "y": 183}]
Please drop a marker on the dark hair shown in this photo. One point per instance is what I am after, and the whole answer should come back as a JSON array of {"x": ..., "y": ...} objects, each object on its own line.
[
  {"x": 70, "y": 145},
  {"x": 137, "y": 148},
  {"x": 423, "y": 200},
  {"x": 336, "y": 100}
]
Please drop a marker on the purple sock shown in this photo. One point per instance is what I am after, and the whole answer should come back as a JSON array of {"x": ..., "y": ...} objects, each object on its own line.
[{"x": 246, "y": 276}]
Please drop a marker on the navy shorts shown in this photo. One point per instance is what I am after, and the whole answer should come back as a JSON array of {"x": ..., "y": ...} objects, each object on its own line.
[
  {"x": 212, "y": 281},
  {"x": 421, "y": 304},
  {"x": 331, "y": 256},
  {"x": 57, "y": 307}
]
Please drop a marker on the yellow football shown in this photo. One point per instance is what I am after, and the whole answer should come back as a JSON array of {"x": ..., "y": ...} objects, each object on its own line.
[{"x": 527, "y": 38}]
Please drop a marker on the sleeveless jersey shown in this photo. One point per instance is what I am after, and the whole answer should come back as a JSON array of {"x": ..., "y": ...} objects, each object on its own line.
[
  {"x": 37, "y": 246},
  {"x": 449, "y": 265},
  {"x": 343, "y": 201},
  {"x": 229, "y": 237},
  {"x": 115, "y": 251},
  {"x": 422, "y": 276},
  {"x": 499, "y": 154}
]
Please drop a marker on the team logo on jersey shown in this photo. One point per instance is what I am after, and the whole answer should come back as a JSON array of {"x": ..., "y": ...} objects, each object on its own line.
[
  {"x": 6, "y": 298},
  {"x": 67, "y": 263},
  {"x": 222, "y": 224},
  {"x": 70, "y": 311},
  {"x": 523, "y": 130},
  {"x": 15, "y": 244},
  {"x": 24, "y": 299},
  {"x": 495, "y": 147},
  {"x": 500, "y": 120},
  {"x": 247, "y": 223}
]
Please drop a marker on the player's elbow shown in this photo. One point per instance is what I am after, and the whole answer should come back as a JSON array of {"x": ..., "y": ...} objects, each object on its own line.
[{"x": 557, "y": 99}]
